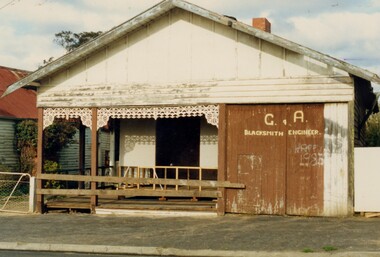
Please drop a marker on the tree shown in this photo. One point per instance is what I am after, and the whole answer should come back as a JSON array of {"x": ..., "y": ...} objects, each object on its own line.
[
  {"x": 372, "y": 134},
  {"x": 70, "y": 40},
  {"x": 56, "y": 137},
  {"x": 60, "y": 133}
]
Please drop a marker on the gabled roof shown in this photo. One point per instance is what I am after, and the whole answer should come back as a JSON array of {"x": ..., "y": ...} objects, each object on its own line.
[
  {"x": 165, "y": 6},
  {"x": 21, "y": 104}
]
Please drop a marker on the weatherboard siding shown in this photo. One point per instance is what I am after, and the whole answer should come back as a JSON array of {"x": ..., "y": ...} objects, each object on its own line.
[
  {"x": 337, "y": 174},
  {"x": 183, "y": 58}
]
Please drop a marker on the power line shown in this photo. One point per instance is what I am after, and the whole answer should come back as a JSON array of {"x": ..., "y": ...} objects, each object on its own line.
[{"x": 9, "y": 3}]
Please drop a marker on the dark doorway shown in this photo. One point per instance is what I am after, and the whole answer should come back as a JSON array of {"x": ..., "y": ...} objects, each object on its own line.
[{"x": 177, "y": 142}]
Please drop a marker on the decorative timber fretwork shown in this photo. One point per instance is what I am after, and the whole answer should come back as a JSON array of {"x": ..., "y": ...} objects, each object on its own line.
[
  {"x": 211, "y": 112},
  {"x": 84, "y": 114}
]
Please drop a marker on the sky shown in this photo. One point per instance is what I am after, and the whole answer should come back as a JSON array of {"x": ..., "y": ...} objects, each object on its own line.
[{"x": 346, "y": 29}]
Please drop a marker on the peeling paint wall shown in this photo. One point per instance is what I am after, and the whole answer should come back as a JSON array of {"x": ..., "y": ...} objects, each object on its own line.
[{"x": 336, "y": 174}]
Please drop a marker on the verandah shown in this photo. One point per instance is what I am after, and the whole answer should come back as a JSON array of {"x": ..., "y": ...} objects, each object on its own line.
[{"x": 96, "y": 118}]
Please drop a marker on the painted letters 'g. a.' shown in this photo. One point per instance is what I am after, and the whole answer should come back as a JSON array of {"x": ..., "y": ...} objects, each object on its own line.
[
  {"x": 269, "y": 119},
  {"x": 298, "y": 116}
]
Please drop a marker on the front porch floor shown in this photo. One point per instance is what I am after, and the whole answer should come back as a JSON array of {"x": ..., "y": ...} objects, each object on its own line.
[{"x": 119, "y": 205}]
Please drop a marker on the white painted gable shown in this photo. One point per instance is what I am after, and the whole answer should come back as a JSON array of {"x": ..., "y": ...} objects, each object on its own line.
[{"x": 183, "y": 58}]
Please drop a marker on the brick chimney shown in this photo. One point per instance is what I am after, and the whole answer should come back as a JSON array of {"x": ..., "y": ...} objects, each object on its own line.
[{"x": 261, "y": 23}]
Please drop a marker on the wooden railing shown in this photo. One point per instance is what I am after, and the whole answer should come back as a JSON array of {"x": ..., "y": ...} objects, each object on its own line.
[
  {"x": 175, "y": 181},
  {"x": 167, "y": 172}
]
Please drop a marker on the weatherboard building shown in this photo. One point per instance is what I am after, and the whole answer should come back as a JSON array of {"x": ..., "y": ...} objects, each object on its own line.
[{"x": 204, "y": 106}]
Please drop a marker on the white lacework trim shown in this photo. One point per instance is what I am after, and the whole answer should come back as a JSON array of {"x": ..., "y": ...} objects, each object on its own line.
[
  {"x": 85, "y": 114},
  {"x": 211, "y": 112},
  {"x": 209, "y": 139}
]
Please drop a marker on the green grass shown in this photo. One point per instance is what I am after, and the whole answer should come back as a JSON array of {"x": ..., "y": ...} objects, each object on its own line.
[
  {"x": 307, "y": 250},
  {"x": 329, "y": 248}
]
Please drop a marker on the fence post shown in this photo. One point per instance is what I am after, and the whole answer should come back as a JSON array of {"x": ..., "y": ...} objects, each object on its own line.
[{"x": 32, "y": 194}]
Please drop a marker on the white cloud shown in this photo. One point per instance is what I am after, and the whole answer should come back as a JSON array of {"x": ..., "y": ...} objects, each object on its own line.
[
  {"x": 353, "y": 37},
  {"x": 338, "y": 27},
  {"x": 25, "y": 52},
  {"x": 34, "y": 12},
  {"x": 27, "y": 27},
  {"x": 17, "y": 55},
  {"x": 120, "y": 5},
  {"x": 375, "y": 3}
]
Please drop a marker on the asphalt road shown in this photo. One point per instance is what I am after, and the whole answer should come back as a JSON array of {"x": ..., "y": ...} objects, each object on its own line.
[{"x": 190, "y": 236}]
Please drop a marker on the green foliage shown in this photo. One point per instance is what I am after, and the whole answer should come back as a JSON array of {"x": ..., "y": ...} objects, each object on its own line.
[
  {"x": 70, "y": 40},
  {"x": 26, "y": 132},
  {"x": 372, "y": 134},
  {"x": 26, "y": 144},
  {"x": 307, "y": 250},
  {"x": 57, "y": 136},
  {"x": 329, "y": 248},
  {"x": 52, "y": 167}
]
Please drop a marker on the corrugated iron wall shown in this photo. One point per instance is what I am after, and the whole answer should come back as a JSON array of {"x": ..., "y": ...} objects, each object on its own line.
[
  {"x": 277, "y": 151},
  {"x": 69, "y": 156},
  {"x": 8, "y": 155}
]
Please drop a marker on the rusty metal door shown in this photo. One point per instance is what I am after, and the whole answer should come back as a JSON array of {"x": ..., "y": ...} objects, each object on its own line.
[
  {"x": 256, "y": 156},
  {"x": 277, "y": 152},
  {"x": 305, "y": 149}
]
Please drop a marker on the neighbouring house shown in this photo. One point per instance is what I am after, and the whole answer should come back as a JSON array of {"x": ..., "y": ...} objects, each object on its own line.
[
  {"x": 13, "y": 108},
  {"x": 22, "y": 106},
  {"x": 181, "y": 86}
]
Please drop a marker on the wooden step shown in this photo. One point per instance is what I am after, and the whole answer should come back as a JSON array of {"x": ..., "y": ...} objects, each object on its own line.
[{"x": 153, "y": 204}]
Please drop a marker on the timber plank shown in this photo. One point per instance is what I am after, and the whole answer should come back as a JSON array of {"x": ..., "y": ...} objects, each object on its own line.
[
  {"x": 131, "y": 192},
  {"x": 156, "y": 181},
  {"x": 150, "y": 204},
  {"x": 372, "y": 214}
]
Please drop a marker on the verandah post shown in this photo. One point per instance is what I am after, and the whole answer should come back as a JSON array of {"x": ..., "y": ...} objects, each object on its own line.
[
  {"x": 222, "y": 158},
  {"x": 39, "y": 166},
  {"x": 94, "y": 156},
  {"x": 82, "y": 153}
]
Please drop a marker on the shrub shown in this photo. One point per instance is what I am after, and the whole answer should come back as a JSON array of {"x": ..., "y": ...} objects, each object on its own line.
[
  {"x": 26, "y": 144},
  {"x": 52, "y": 167},
  {"x": 372, "y": 134}
]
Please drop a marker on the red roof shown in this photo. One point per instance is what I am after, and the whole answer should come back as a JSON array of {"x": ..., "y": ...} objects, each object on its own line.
[{"x": 21, "y": 103}]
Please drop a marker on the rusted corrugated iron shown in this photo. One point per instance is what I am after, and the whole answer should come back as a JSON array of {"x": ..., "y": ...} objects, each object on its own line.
[
  {"x": 277, "y": 151},
  {"x": 22, "y": 103}
]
